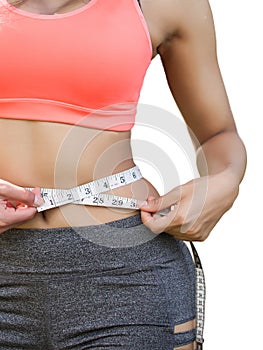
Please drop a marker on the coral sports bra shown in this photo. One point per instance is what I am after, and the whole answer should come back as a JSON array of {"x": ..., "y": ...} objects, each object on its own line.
[{"x": 85, "y": 67}]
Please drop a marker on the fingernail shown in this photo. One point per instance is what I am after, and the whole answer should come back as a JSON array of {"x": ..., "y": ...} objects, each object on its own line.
[{"x": 38, "y": 201}]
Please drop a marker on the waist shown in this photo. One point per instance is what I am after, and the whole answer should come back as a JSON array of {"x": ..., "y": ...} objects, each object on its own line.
[{"x": 53, "y": 155}]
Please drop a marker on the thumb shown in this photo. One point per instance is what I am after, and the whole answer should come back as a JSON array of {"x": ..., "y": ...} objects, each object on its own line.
[
  {"x": 38, "y": 200},
  {"x": 153, "y": 204},
  {"x": 166, "y": 201},
  {"x": 16, "y": 193}
]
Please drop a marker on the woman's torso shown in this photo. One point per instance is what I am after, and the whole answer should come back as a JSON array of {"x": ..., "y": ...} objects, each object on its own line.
[
  {"x": 54, "y": 155},
  {"x": 72, "y": 156}
]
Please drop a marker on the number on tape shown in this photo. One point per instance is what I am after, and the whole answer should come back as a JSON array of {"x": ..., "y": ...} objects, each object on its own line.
[{"x": 92, "y": 193}]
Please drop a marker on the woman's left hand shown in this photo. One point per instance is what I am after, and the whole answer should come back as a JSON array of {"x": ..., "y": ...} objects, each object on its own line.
[{"x": 195, "y": 206}]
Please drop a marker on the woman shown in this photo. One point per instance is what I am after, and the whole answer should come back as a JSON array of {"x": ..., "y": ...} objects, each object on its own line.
[{"x": 71, "y": 73}]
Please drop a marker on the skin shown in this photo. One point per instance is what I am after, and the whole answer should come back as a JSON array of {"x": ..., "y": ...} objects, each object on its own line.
[
  {"x": 203, "y": 102},
  {"x": 182, "y": 33},
  {"x": 194, "y": 78}
]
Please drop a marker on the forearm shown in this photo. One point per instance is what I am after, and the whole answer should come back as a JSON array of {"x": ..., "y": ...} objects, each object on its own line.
[{"x": 223, "y": 153}]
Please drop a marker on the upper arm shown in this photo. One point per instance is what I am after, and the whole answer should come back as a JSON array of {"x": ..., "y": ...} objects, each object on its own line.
[{"x": 190, "y": 62}]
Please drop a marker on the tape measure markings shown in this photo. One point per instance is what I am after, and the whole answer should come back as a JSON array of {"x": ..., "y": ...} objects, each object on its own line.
[
  {"x": 200, "y": 298},
  {"x": 92, "y": 193},
  {"x": 109, "y": 200}
]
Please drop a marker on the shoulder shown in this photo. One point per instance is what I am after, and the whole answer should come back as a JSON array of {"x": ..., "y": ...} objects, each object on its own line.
[{"x": 176, "y": 18}]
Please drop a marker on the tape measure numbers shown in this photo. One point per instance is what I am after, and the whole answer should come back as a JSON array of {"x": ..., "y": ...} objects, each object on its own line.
[
  {"x": 200, "y": 298},
  {"x": 92, "y": 193}
]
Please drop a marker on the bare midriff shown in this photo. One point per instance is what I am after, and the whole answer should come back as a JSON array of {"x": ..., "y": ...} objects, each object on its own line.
[{"x": 53, "y": 155}]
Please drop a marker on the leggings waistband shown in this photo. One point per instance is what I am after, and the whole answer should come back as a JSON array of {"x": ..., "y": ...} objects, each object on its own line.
[{"x": 89, "y": 249}]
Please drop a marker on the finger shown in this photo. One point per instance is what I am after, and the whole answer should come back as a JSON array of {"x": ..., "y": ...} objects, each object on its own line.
[
  {"x": 13, "y": 192},
  {"x": 38, "y": 201},
  {"x": 163, "y": 202},
  {"x": 149, "y": 221},
  {"x": 142, "y": 203},
  {"x": 16, "y": 193},
  {"x": 157, "y": 223},
  {"x": 145, "y": 216},
  {"x": 11, "y": 216}
]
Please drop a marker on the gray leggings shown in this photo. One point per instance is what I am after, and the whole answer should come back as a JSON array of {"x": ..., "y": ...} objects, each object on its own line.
[{"x": 59, "y": 290}]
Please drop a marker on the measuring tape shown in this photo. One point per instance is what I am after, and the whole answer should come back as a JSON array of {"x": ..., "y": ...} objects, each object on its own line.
[
  {"x": 200, "y": 299},
  {"x": 92, "y": 193}
]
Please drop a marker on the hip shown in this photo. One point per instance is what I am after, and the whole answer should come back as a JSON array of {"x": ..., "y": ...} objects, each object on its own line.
[
  {"x": 116, "y": 276},
  {"x": 117, "y": 247}
]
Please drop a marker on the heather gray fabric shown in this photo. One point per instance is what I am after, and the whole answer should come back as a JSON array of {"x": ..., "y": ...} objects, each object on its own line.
[{"x": 59, "y": 290}]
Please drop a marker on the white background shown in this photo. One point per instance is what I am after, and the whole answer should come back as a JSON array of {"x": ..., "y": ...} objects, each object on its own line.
[{"x": 232, "y": 255}]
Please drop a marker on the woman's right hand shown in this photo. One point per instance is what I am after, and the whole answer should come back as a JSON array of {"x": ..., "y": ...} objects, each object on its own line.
[{"x": 17, "y": 205}]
